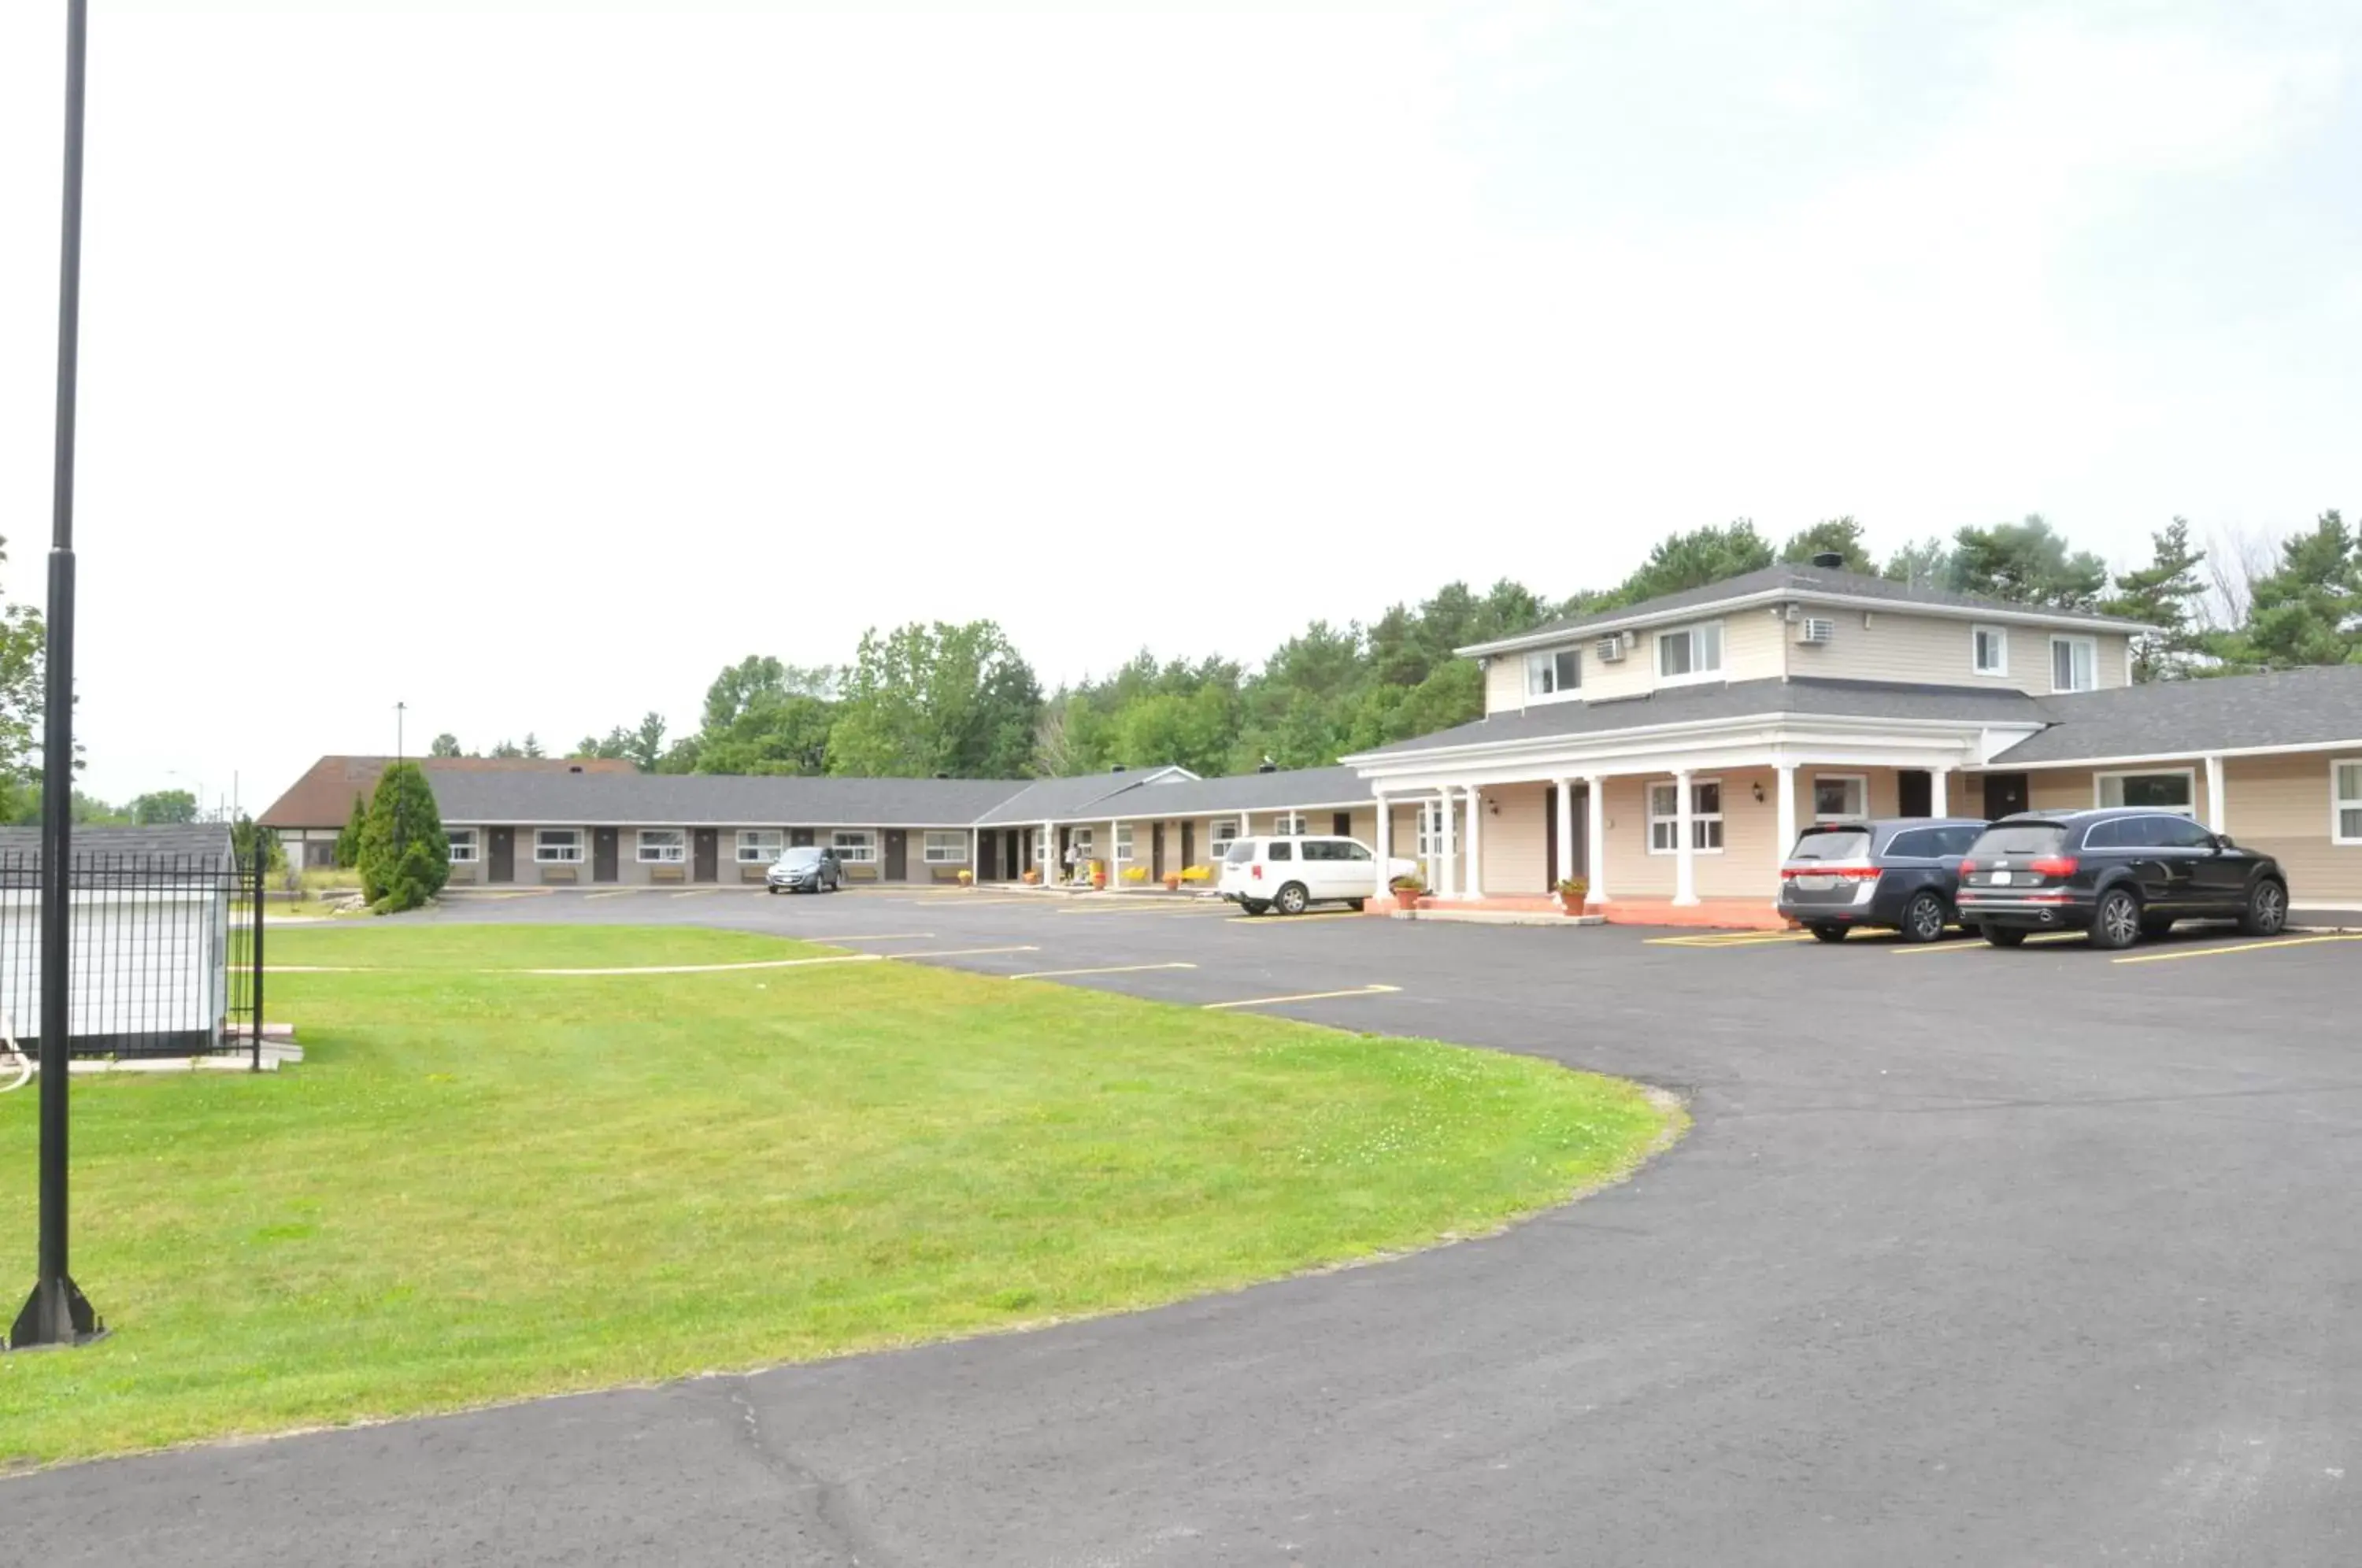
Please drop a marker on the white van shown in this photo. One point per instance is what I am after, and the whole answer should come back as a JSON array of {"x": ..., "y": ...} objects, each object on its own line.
[{"x": 1287, "y": 874}]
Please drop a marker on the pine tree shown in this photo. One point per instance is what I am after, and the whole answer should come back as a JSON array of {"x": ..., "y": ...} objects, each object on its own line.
[
  {"x": 2163, "y": 594},
  {"x": 404, "y": 859}
]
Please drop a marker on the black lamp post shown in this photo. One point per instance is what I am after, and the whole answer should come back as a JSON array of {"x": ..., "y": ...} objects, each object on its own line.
[{"x": 56, "y": 1313}]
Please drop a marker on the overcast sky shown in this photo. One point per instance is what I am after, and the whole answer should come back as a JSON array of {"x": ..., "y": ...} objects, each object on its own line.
[{"x": 528, "y": 367}]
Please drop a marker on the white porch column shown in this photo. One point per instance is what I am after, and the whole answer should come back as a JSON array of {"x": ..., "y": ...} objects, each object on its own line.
[
  {"x": 1447, "y": 876},
  {"x": 1049, "y": 855},
  {"x": 1115, "y": 867},
  {"x": 2216, "y": 815},
  {"x": 1783, "y": 776},
  {"x": 1684, "y": 852},
  {"x": 1475, "y": 843},
  {"x": 1595, "y": 837},
  {"x": 1940, "y": 791},
  {"x": 1565, "y": 867},
  {"x": 1385, "y": 848},
  {"x": 975, "y": 853}
]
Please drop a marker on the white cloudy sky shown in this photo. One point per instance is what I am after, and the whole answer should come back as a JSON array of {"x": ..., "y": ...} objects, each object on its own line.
[{"x": 528, "y": 366}]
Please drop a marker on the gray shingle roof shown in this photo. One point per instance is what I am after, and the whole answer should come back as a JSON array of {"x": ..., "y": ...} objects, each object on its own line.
[
  {"x": 1251, "y": 792},
  {"x": 21, "y": 847},
  {"x": 715, "y": 800},
  {"x": 2189, "y": 718},
  {"x": 1734, "y": 699},
  {"x": 1055, "y": 800},
  {"x": 1805, "y": 580}
]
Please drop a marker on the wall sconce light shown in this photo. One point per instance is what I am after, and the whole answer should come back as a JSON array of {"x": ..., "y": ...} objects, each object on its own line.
[
  {"x": 1758, "y": 793},
  {"x": 1494, "y": 806}
]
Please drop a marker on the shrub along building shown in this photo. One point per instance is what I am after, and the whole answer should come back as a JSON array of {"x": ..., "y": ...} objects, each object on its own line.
[{"x": 1667, "y": 751}]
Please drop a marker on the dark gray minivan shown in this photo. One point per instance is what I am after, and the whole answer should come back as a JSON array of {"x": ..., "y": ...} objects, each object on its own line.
[{"x": 1893, "y": 872}]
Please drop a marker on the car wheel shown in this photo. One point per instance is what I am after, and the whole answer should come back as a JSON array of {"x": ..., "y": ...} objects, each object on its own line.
[
  {"x": 1253, "y": 906},
  {"x": 2266, "y": 910},
  {"x": 1828, "y": 932},
  {"x": 773, "y": 891},
  {"x": 1293, "y": 898},
  {"x": 1355, "y": 904},
  {"x": 2002, "y": 935},
  {"x": 1923, "y": 919},
  {"x": 2117, "y": 922}
]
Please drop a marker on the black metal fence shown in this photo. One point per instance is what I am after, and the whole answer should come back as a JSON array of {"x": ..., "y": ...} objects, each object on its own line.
[{"x": 166, "y": 953}]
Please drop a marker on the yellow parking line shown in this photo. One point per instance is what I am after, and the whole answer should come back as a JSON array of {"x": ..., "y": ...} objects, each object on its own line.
[
  {"x": 695, "y": 892},
  {"x": 1109, "y": 969},
  {"x": 1299, "y": 920},
  {"x": 1729, "y": 939},
  {"x": 2238, "y": 947},
  {"x": 1978, "y": 944},
  {"x": 966, "y": 952},
  {"x": 824, "y": 940},
  {"x": 1307, "y": 995},
  {"x": 615, "y": 893}
]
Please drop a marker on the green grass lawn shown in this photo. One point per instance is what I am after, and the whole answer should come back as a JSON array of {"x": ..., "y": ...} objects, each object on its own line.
[{"x": 484, "y": 1185}]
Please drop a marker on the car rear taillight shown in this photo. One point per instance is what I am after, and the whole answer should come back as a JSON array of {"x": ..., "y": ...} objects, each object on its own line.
[
  {"x": 1843, "y": 871},
  {"x": 1967, "y": 865},
  {"x": 2059, "y": 866}
]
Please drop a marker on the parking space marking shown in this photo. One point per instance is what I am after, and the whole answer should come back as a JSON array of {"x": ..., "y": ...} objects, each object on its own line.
[
  {"x": 1159, "y": 908},
  {"x": 829, "y": 938},
  {"x": 1729, "y": 939},
  {"x": 966, "y": 952},
  {"x": 1108, "y": 969},
  {"x": 1307, "y": 995},
  {"x": 695, "y": 892},
  {"x": 1299, "y": 920},
  {"x": 2237, "y": 947},
  {"x": 612, "y": 893},
  {"x": 1979, "y": 944}
]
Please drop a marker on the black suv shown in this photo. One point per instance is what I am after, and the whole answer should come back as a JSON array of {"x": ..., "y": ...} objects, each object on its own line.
[
  {"x": 1898, "y": 874},
  {"x": 2121, "y": 874}
]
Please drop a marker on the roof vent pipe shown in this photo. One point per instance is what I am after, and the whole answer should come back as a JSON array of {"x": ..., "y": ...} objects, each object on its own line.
[{"x": 1829, "y": 560}]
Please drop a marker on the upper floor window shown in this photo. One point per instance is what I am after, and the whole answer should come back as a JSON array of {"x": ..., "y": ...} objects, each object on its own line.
[
  {"x": 1992, "y": 650},
  {"x": 1690, "y": 652},
  {"x": 2074, "y": 664},
  {"x": 1550, "y": 673}
]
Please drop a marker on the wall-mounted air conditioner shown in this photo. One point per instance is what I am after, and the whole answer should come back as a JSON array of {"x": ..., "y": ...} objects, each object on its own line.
[
  {"x": 1814, "y": 629},
  {"x": 1611, "y": 650}
]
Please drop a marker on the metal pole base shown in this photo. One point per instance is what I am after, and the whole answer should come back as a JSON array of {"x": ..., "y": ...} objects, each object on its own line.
[{"x": 57, "y": 1313}]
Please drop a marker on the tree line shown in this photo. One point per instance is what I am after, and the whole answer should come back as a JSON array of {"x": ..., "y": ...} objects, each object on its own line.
[{"x": 959, "y": 701}]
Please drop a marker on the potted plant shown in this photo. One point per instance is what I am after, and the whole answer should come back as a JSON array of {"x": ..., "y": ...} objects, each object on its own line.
[
  {"x": 1032, "y": 877},
  {"x": 1407, "y": 890},
  {"x": 1098, "y": 875},
  {"x": 1173, "y": 881},
  {"x": 1572, "y": 891},
  {"x": 967, "y": 878},
  {"x": 1135, "y": 874}
]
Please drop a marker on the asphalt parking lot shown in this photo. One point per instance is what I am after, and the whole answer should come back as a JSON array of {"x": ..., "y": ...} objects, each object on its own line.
[{"x": 1973, "y": 1256}]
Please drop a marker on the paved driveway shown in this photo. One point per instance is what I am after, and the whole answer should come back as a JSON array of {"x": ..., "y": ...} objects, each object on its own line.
[{"x": 1973, "y": 1257}]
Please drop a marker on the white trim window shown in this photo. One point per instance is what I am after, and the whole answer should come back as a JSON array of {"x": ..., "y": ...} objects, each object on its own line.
[
  {"x": 463, "y": 846},
  {"x": 1123, "y": 842},
  {"x": 2074, "y": 664},
  {"x": 1288, "y": 824},
  {"x": 1083, "y": 841},
  {"x": 1840, "y": 797},
  {"x": 2159, "y": 789},
  {"x": 1555, "y": 672},
  {"x": 855, "y": 846},
  {"x": 1690, "y": 653},
  {"x": 1705, "y": 816},
  {"x": 1990, "y": 647},
  {"x": 1221, "y": 833},
  {"x": 761, "y": 846},
  {"x": 1430, "y": 829},
  {"x": 944, "y": 848},
  {"x": 2346, "y": 799},
  {"x": 661, "y": 846},
  {"x": 557, "y": 846}
]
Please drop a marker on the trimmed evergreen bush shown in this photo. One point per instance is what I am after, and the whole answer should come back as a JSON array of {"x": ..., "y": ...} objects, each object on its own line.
[
  {"x": 348, "y": 842},
  {"x": 404, "y": 859}
]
